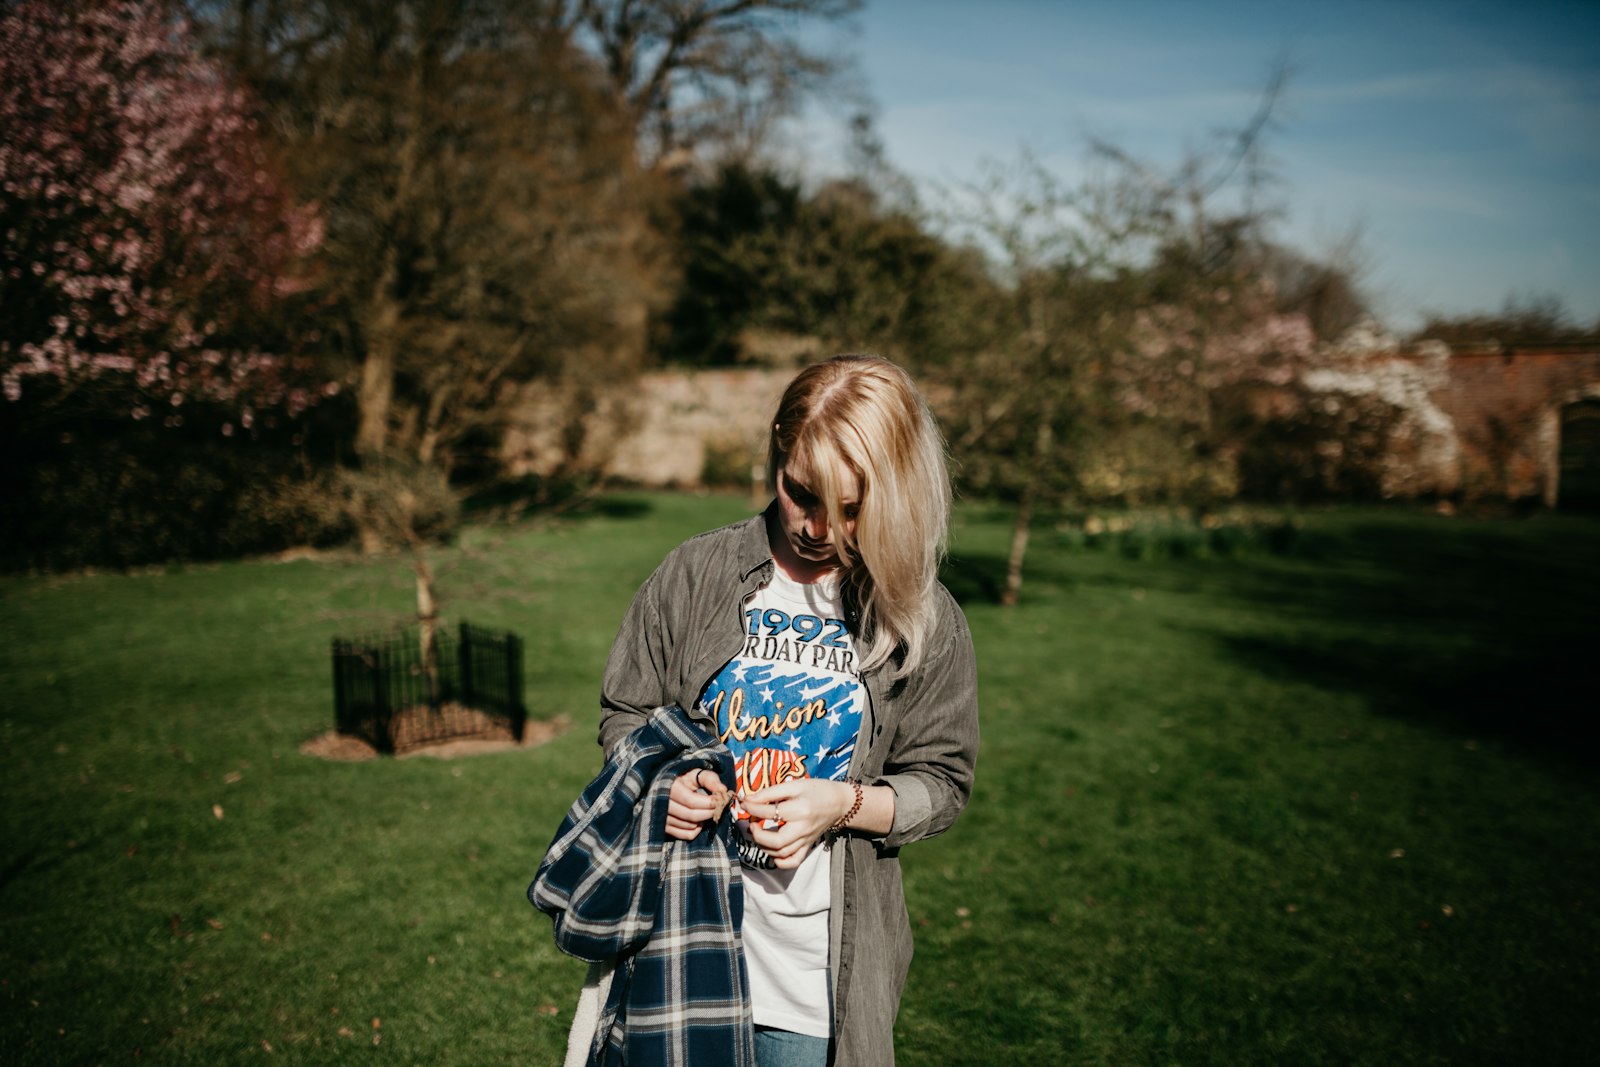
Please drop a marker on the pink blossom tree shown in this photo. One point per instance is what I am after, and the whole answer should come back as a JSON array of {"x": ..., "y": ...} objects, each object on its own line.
[{"x": 149, "y": 246}]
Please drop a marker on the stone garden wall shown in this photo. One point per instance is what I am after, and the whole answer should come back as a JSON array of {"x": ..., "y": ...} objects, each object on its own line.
[{"x": 1490, "y": 423}]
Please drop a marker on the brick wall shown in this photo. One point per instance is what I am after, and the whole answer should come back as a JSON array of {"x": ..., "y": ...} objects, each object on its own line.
[{"x": 1507, "y": 407}]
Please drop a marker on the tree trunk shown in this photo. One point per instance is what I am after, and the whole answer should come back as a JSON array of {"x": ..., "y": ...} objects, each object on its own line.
[
  {"x": 1043, "y": 457},
  {"x": 377, "y": 388},
  {"x": 385, "y": 311},
  {"x": 432, "y": 422},
  {"x": 427, "y": 620},
  {"x": 382, "y": 329},
  {"x": 1019, "y": 550},
  {"x": 374, "y": 400}
]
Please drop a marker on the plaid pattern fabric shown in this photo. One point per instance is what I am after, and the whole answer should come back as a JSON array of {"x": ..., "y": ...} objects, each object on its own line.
[{"x": 667, "y": 911}]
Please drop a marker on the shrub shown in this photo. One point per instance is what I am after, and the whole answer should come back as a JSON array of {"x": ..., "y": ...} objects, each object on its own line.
[
  {"x": 726, "y": 464},
  {"x": 92, "y": 491},
  {"x": 1173, "y": 534}
]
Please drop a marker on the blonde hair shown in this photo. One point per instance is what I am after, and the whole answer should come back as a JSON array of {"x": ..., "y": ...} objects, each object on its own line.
[{"x": 863, "y": 413}]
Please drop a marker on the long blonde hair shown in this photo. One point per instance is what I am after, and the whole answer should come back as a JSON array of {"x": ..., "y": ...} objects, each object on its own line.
[{"x": 864, "y": 413}]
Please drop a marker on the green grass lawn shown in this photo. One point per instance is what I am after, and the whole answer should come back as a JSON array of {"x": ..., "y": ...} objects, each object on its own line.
[{"x": 1326, "y": 807}]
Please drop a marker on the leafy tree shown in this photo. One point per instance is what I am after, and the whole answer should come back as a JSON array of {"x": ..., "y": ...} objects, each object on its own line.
[
  {"x": 826, "y": 271},
  {"x": 859, "y": 274},
  {"x": 488, "y": 221},
  {"x": 728, "y": 229},
  {"x": 482, "y": 212},
  {"x": 484, "y": 226}
]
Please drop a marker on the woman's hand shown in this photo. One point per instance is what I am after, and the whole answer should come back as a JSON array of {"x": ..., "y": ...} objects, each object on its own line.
[
  {"x": 806, "y": 806},
  {"x": 697, "y": 798}
]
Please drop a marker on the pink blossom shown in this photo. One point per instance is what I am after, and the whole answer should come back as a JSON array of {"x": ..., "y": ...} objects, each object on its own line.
[{"x": 136, "y": 200}]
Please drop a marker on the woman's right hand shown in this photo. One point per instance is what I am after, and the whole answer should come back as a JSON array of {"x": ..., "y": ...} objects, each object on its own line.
[{"x": 697, "y": 797}]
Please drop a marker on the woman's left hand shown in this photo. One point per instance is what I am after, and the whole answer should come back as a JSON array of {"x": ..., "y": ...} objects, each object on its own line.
[{"x": 806, "y": 807}]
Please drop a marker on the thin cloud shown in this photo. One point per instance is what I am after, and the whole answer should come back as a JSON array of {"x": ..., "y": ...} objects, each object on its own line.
[
  {"x": 1420, "y": 85},
  {"x": 1387, "y": 191}
]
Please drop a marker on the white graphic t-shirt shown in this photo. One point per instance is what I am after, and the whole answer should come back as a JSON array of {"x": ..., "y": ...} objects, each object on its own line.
[{"x": 789, "y": 705}]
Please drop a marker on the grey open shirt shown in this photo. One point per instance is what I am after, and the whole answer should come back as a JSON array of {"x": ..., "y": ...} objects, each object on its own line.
[{"x": 920, "y": 737}]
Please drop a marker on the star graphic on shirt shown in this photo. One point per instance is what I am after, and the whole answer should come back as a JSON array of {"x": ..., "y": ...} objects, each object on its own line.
[
  {"x": 834, "y": 718},
  {"x": 766, "y": 694},
  {"x": 794, "y": 743},
  {"x": 821, "y": 753}
]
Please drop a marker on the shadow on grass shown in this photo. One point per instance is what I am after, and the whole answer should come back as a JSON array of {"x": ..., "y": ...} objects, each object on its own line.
[
  {"x": 980, "y": 578},
  {"x": 1479, "y": 630},
  {"x": 974, "y": 578},
  {"x": 612, "y": 506},
  {"x": 1537, "y": 698},
  {"x": 532, "y": 495}
]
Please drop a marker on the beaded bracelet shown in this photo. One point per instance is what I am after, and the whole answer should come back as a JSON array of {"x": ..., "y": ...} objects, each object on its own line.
[{"x": 838, "y": 828}]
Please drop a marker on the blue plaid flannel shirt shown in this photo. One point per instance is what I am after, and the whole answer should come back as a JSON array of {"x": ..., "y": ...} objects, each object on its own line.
[{"x": 667, "y": 911}]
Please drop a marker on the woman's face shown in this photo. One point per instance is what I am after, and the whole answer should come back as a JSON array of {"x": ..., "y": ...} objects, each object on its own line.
[{"x": 804, "y": 517}]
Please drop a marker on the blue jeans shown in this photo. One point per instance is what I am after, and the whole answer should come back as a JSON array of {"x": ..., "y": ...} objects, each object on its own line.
[{"x": 781, "y": 1048}]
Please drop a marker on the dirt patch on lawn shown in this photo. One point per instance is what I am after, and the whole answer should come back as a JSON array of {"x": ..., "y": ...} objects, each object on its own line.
[{"x": 470, "y": 733}]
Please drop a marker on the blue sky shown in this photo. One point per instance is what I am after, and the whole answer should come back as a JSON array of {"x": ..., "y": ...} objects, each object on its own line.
[{"x": 1463, "y": 138}]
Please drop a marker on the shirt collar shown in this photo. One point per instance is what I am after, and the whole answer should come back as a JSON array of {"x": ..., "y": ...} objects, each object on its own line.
[{"x": 755, "y": 551}]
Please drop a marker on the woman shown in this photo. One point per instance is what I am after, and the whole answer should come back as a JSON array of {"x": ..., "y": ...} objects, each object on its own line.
[{"x": 816, "y": 641}]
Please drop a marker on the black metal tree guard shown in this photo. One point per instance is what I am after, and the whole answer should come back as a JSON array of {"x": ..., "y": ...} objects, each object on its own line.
[{"x": 383, "y": 680}]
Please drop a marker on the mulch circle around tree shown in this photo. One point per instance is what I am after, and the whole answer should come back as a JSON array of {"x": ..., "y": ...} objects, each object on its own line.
[{"x": 469, "y": 733}]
